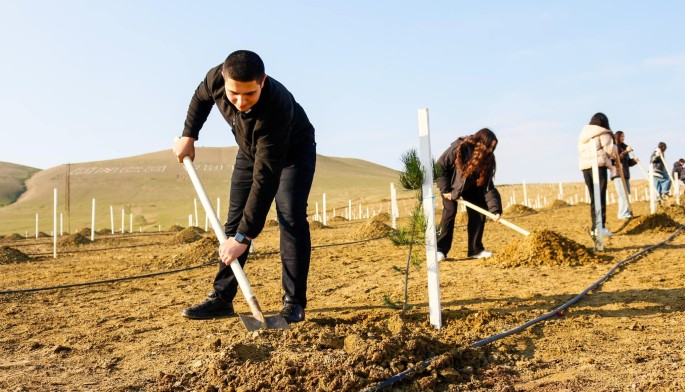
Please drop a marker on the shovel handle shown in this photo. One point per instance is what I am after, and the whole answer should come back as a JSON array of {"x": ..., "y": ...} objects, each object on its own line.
[
  {"x": 221, "y": 235},
  {"x": 493, "y": 216}
]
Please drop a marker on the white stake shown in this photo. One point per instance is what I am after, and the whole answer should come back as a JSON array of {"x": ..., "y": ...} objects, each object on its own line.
[
  {"x": 36, "y": 225},
  {"x": 130, "y": 222},
  {"x": 123, "y": 223},
  {"x": 61, "y": 224},
  {"x": 92, "y": 222},
  {"x": 653, "y": 194},
  {"x": 111, "y": 217},
  {"x": 525, "y": 195},
  {"x": 325, "y": 217},
  {"x": 393, "y": 202},
  {"x": 54, "y": 224},
  {"x": 429, "y": 211},
  {"x": 349, "y": 209},
  {"x": 197, "y": 224},
  {"x": 190, "y": 220}
]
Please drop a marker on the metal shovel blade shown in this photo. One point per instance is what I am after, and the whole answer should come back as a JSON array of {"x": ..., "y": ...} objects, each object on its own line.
[{"x": 270, "y": 322}]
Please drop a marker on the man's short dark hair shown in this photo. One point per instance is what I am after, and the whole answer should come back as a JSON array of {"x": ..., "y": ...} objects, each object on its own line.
[
  {"x": 662, "y": 146},
  {"x": 243, "y": 66}
]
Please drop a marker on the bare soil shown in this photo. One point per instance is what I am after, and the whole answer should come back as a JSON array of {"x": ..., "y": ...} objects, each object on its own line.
[{"x": 128, "y": 335}]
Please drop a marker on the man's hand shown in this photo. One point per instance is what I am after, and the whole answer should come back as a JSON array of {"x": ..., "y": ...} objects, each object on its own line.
[
  {"x": 230, "y": 250},
  {"x": 496, "y": 218},
  {"x": 447, "y": 196},
  {"x": 184, "y": 147}
]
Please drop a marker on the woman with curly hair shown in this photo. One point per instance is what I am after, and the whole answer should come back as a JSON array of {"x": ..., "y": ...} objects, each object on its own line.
[{"x": 467, "y": 171}]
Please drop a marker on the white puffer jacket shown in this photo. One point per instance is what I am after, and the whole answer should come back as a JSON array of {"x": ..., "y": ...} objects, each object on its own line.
[{"x": 599, "y": 141}]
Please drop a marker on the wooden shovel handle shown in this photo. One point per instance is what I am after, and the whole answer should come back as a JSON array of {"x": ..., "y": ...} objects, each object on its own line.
[{"x": 493, "y": 216}]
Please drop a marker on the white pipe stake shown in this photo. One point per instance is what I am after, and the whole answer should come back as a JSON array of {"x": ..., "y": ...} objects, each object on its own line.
[{"x": 434, "y": 305}]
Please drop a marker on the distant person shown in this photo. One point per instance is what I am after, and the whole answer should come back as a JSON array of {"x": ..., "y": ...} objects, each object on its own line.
[
  {"x": 275, "y": 160},
  {"x": 597, "y": 142},
  {"x": 467, "y": 171},
  {"x": 662, "y": 179},
  {"x": 679, "y": 172},
  {"x": 625, "y": 162}
]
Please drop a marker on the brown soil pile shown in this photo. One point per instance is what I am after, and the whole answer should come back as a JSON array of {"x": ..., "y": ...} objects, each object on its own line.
[
  {"x": 175, "y": 228},
  {"x": 653, "y": 223},
  {"x": 544, "y": 248},
  {"x": 85, "y": 232},
  {"x": 73, "y": 240},
  {"x": 15, "y": 237},
  {"x": 519, "y": 209},
  {"x": 382, "y": 217},
  {"x": 559, "y": 204},
  {"x": 677, "y": 213},
  {"x": 43, "y": 234},
  {"x": 201, "y": 251},
  {"x": 103, "y": 231},
  {"x": 347, "y": 354},
  {"x": 10, "y": 255},
  {"x": 372, "y": 229},
  {"x": 271, "y": 223},
  {"x": 316, "y": 225},
  {"x": 337, "y": 219},
  {"x": 187, "y": 235}
]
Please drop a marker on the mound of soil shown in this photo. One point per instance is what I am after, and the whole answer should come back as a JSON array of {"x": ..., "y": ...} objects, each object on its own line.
[
  {"x": 677, "y": 213},
  {"x": 544, "y": 248},
  {"x": 103, "y": 231},
  {"x": 655, "y": 223},
  {"x": 187, "y": 235},
  {"x": 316, "y": 225},
  {"x": 559, "y": 204},
  {"x": 175, "y": 228},
  {"x": 73, "y": 240},
  {"x": 382, "y": 217},
  {"x": 372, "y": 229},
  {"x": 271, "y": 223},
  {"x": 85, "y": 232},
  {"x": 204, "y": 250},
  {"x": 337, "y": 219},
  {"x": 15, "y": 237},
  {"x": 10, "y": 255},
  {"x": 345, "y": 354},
  {"x": 519, "y": 209},
  {"x": 43, "y": 234}
]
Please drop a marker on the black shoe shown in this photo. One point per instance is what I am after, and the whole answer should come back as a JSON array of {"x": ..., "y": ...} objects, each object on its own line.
[
  {"x": 212, "y": 308},
  {"x": 292, "y": 312}
]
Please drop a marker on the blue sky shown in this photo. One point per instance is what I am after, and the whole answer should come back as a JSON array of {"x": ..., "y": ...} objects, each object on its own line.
[{"x": 85, "y": 81}]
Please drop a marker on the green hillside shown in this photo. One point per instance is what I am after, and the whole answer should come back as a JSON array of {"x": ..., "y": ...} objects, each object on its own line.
[
  {"x": 155, "y": 189},
  {"x": 12, "y": 181}
]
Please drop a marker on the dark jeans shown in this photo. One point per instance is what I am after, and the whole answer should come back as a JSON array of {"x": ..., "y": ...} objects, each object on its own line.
[
  {"x": 291, "y": 209},
  {"x": 474, "y": 228},
  {"x": 587, "y": 175}
]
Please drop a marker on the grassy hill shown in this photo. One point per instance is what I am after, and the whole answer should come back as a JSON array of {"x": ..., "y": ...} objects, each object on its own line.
[
  {"x": 12, "y": 181},
  {"x": 155, "y": 188}
]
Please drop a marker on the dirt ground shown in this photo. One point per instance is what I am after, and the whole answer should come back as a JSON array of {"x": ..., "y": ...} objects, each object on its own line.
[{"x": 128, "y": 335}]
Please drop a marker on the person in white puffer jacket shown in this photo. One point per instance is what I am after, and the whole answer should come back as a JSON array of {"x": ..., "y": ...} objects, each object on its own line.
[{"x": 597, "y": 140}]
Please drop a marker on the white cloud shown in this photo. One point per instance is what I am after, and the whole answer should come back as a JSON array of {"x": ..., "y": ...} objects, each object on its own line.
[{"x": 674, "y": 60}]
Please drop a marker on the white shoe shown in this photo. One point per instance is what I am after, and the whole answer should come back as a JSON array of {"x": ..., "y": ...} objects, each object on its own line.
[
  {"x": 606, "y": 232},
  {"x": 441, "y": 256},
  {"x": 484, "y": 254}
]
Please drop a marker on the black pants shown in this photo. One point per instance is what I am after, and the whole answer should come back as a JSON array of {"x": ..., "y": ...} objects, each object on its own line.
[
  {"x": 587, "y": 175},
  {"x": 291, "y": 208},
  {"x": 474, "y": 228}
]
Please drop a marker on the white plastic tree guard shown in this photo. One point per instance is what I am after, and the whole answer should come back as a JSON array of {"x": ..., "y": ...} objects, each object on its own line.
[{"x": 429, "y": 211}]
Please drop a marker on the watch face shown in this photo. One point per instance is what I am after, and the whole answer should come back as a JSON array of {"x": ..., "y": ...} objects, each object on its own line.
[{"x": 240, "y": 238}]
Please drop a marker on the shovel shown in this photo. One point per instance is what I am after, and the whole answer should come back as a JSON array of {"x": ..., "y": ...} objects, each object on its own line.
[
  {"x": 492, "y": 216},
  {"x": 257, "y": 320}
]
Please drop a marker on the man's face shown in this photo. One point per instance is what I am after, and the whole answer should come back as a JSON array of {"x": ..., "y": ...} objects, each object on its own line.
[
  {"x": 243, "y": 95},
  {"x": 621, "y": 138}
]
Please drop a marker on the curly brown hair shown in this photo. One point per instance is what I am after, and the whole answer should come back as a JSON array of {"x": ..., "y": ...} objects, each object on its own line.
[{"x": 475, "y": 156}]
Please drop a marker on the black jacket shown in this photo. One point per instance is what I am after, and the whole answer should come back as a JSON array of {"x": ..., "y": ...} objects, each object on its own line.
[
  {"x": 678, "y": 172},
  {"x": 451, "y": 179},
  {"x": 626, "y": 161},
  {"x": 275, "y": 129}
]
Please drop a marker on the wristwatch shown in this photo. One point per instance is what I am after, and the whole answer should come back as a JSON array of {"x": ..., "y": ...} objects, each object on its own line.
[{"x": 240, "y": 237}]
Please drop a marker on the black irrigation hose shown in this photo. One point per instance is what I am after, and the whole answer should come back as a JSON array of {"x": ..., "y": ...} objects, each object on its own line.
[
  {"x": 557, "y": 312},
  {"x": 162, "y": 272}
]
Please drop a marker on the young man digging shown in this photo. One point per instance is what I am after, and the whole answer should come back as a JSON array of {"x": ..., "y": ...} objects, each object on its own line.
[{"x": 275, "y": 161}]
